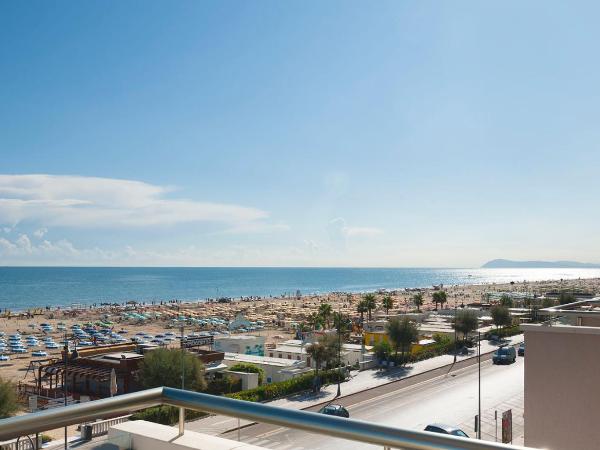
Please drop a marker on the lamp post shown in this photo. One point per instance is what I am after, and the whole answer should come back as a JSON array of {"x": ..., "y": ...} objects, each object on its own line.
[
  {"x": 339, "y": 327},
  {"x": 455, "y": 334},
  {"x": 65, "y": 380},
  {"x": 479, "y": 385},
  {"x": 182, "y": 410}
]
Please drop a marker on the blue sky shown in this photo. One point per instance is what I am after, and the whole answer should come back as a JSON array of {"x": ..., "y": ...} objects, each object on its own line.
[{"x": 315, "y": 133}]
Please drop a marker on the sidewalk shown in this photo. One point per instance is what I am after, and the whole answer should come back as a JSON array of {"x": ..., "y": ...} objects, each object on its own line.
[
  {"x": 492, "y": 430},
  {"x": 359, "y": 381}
]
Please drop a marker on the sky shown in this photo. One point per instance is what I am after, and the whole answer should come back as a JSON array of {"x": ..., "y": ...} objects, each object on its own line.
[{"x": 316, "y": 133}]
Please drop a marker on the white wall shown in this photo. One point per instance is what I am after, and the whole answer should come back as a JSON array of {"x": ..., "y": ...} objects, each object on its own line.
[
  {"x": 144, "y": 435},
  {"x": 562, "y": 369}
]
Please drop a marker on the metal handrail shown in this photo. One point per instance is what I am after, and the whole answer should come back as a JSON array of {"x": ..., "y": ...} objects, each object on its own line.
[{"x": 356, "y": 430}]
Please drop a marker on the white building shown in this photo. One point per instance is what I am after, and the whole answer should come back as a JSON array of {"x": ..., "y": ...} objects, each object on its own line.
[
  {"x": 242, "y": 344},
  {"x": 276, "y": 369},
  {"x": 295, "y": 350}
]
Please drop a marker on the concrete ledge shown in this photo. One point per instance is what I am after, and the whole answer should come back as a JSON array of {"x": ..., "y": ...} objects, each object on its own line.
[
  {"x": 145, "y": 435},
  {"x": 570, "y": 329}
]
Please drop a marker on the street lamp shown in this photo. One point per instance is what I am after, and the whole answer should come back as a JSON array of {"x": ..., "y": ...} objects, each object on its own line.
[
  {"x": 479, "y": 384},
  {"x": 65, "y": 380},
  {"x": 455, "y": 334},
  {"x": 339, "y": 329}
]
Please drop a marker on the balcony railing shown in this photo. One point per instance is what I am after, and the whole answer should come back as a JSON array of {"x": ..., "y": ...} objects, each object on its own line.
[{"x": 355, "y": 430}]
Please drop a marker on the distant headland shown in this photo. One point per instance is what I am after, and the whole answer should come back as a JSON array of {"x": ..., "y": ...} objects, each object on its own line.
[{"x": 508, "y": 264}]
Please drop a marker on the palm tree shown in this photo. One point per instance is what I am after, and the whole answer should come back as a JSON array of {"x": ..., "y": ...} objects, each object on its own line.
[
  {"x": 318, "y": 352},
  {"x": 402, "y": 333},
  {"x": 315, "y": 320},
  {"x": 325, "y": 312},
  {"x": 436, "y": 299},
  {"x": 443, "y": 297},
  {"x": 361, "y": 308},
  {"x": 388, "y": 303},
  {"x": 370, "y": 303},
  {"x": 439, "y": 297},
  {"x": 506, "y": 301},
  {"x": 342, "y": 323},
  {"x": 418, "y": 301}
]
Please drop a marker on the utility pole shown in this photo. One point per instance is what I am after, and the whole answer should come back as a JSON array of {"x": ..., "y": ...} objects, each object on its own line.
[
  {"x": 339, "y": 326},
  {"x": 182, "y": 360},
  {"x": 479, "y": 383},
  {"x": 182, "y": 410},
  {"x": 65, "y": 380},
  {"x": 455, "y": 334}
]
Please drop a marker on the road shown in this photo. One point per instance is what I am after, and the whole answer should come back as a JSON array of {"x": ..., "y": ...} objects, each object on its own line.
[{"x": 449, "y": 398}]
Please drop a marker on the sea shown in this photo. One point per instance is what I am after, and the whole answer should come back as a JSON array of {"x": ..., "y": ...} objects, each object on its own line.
[{"x": 27, "y": 287}]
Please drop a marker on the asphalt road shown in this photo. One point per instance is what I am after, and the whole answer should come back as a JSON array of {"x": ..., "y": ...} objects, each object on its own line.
[{"x": 413, "y": 403}]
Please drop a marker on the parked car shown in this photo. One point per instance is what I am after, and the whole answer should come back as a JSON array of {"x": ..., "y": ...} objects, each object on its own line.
[
  {"x": 521, "y": 350},
  {"x": 504, "y": 355},
  {"x": 335, "y": 410},
  {"x": 446, "y": 429}
]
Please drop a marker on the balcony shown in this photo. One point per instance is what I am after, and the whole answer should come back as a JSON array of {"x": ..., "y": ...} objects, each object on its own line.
[{"x": 136, "y": 435}]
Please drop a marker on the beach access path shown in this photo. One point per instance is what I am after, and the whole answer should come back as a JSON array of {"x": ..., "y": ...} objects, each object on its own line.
[{"x": 372, "y": 379}]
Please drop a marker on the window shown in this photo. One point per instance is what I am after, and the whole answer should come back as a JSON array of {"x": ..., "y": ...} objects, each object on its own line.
[
  {"x": 289, "y": 356},
  {"x": 271, "y": 354}
]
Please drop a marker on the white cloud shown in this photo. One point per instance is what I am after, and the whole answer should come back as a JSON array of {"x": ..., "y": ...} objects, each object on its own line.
[
  {"x": 256, "y": 227},
  {"x": 6, "y": 246},
  {"x": 23, "y": 243},
  {"x": 362, "y": 231},
  {"x": 338, "y": 229},
  {"x": 77, "y": 201},
  {"x": 40, "y": 233}
]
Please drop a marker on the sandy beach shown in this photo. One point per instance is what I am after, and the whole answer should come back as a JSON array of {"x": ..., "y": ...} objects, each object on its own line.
[{"x": 277, "y": 314}]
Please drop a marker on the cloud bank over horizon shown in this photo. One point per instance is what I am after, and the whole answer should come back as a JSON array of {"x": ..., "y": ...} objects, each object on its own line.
[
  {"x": 34, "y": 208},
  {"x": 78, "y": 201}
]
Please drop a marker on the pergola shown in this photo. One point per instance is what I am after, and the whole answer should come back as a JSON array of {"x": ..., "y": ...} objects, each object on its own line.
[{"x": 58, "y": 374}]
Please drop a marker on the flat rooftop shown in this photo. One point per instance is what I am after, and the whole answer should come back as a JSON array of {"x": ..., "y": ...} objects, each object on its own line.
[
  {"x": 239, "y": 337},
  {"x": 117, "y": 356},
  {"x": 256, "y": 359}
]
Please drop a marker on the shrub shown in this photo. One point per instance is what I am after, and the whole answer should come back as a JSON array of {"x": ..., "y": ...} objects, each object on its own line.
[
  {"x": 501, "y": 316},
  {"x": 382, "y": 349},
  {"x": 566, "y": 297},
  {"x": 45, "y": 438},
  {"x": 504, "y": 332},
  {"x": 162, "y": 367},
  {"x": 430, "y": 351},
  {"x": 223, "y": 385},
  {"x": 441, "y": 338},
  {"x": 8, "y": 399},
  {"x": 281, "y": 389},
  {"x": 249, "y": 368},
  {"x": 165, "y": 415}
]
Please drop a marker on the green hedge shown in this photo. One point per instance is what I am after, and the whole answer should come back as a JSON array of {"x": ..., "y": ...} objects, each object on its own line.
[
  {"x": 223, "y": 385},
  {"x": 504, "y": 332},
  {"x": 281, "y": 389},
  {"x": 249, "y": 368},
  {"x": 431, "y": 351},
  {"x": 165, "y": 415}
]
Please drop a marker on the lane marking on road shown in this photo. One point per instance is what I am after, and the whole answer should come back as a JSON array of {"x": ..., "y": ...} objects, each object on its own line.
[
  {"x": 388, "y": 394},
  {"x": 401, "y": 390},
  {"x": 412, "y": 386}
]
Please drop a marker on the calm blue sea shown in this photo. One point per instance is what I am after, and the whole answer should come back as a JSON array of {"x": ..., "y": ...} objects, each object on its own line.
[{"x": 25, "y": 287}]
